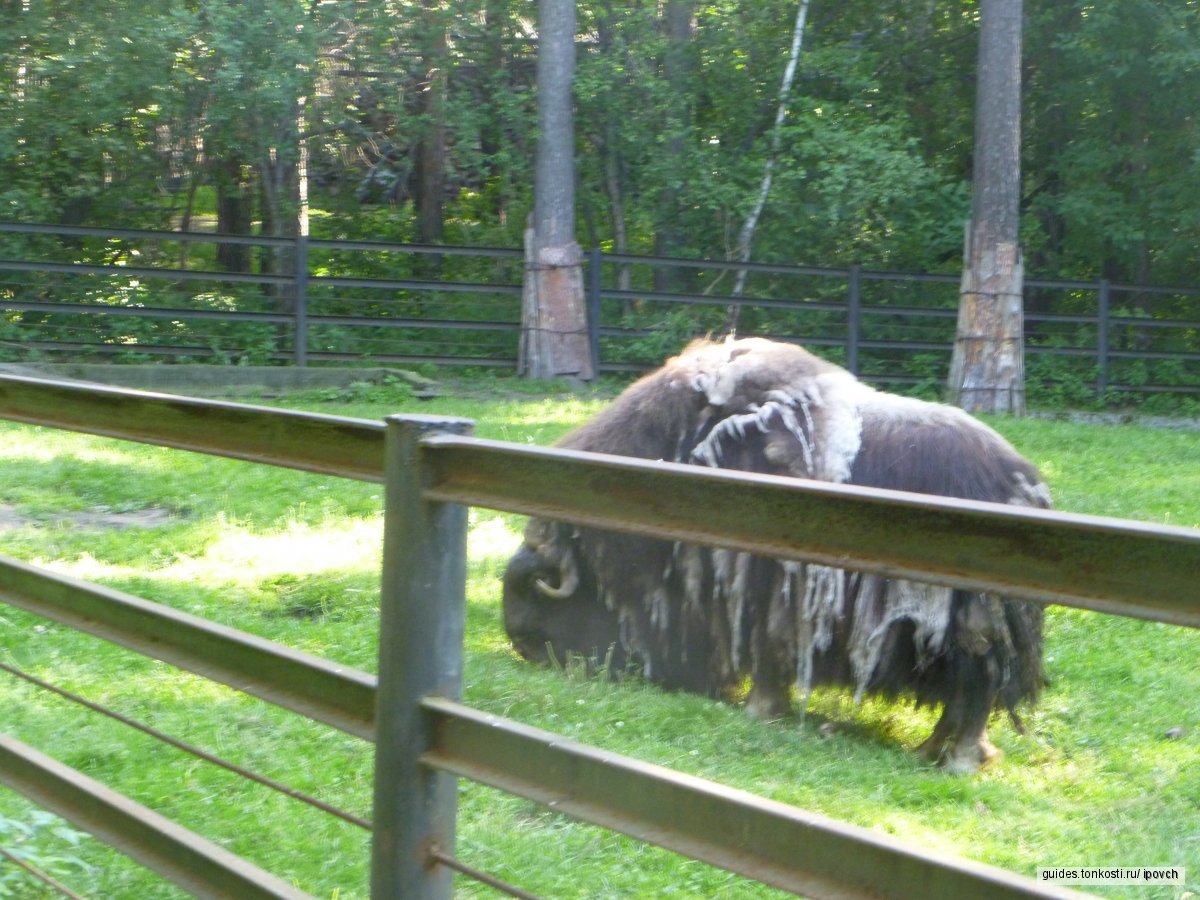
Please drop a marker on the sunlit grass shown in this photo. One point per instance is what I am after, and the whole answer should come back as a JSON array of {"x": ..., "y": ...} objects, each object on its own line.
[{"x": 1095, "y": 779}]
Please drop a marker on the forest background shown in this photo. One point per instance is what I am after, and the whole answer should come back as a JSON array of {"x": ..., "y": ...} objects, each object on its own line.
[
  {"x": 420, "y": 124},
  {"x": 417, "y": 122}
]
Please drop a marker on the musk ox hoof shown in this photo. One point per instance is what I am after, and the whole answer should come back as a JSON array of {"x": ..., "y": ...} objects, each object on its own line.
[{"x": 961, "y": 757}]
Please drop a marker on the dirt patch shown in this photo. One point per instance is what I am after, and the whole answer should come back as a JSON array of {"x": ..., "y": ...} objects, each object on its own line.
[
  {"x": 10, "y": 518},
  {"x": 151, "y": 517}
]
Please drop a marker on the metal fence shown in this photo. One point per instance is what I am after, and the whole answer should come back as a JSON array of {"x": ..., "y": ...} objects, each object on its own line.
[
  {"x": 132, "y": 295},
  {"x": 425, "y": 738}
]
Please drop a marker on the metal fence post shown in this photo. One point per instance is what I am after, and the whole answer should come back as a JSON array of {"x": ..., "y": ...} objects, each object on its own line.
[
  {"x": 422, "y": 610},
  {"x": 300, "y": 332},
  {"x": 1102, "y": 322},
  {"x": 593, "y": 305},
  {"x": 854, "y": 318}
]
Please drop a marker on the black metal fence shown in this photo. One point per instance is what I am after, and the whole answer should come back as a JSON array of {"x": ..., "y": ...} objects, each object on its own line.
[{"x": 130, "y": 295}]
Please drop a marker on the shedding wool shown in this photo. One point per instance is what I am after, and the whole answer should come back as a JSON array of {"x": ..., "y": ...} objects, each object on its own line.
[{"x": 702, "y": 619}]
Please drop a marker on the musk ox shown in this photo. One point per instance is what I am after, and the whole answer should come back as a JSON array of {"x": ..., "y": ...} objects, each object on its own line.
[{"x": 703, "y": 620}]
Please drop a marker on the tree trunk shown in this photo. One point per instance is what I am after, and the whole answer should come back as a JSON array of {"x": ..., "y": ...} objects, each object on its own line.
[
  {"x": 610, "y": 151},
  {"x": 431, "y": 149},
  {"x": 616, "y": 203},
  {"x": 283, "y": 184},
  {"x": 746, "y": 235},
  {"x": 235, "y": 208},
  {"x": 987, "y": 371},
  {"x": 554, "y": 338}
]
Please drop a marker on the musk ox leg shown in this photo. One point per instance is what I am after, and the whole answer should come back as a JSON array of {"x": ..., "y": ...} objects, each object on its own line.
[
  {"x": 960, "y": 747},
  {"x": 974, "y": 667},
  {"x": 771, "y": 671},
  {"x": 959, "y": 743}
]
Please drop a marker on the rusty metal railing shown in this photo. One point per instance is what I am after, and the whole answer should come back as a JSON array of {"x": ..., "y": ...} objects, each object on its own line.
[
  {"x": 425, "y": 739},
  {"x": 327, "y": 445},
  {"x": 186, "y": 858},
  {"x": 1103, "y": 564}
]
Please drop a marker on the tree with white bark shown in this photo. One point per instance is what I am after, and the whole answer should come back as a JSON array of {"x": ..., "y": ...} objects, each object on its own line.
[{"x": 746, "y": 235}]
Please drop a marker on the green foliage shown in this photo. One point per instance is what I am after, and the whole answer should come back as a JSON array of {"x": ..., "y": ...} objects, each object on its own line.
[
  {"x": 663, "y": 334},
  {"x": 1114, "y": 185},
  {"x": 190, "y": 112},
  {"x": 136, "y": 116},
  {"x": 390, "y": 390},
  {"x": 46, "y": 843}
]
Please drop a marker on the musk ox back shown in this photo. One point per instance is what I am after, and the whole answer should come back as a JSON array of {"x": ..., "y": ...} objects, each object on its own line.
[{"x": 702, "y": 619}]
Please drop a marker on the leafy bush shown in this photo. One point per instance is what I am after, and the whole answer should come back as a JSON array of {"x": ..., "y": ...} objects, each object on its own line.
[{"x": 31, "y": 840}]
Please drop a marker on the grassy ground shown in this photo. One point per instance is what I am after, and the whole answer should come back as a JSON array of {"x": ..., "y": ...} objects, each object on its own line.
[{"x": 1095, "y": 780}]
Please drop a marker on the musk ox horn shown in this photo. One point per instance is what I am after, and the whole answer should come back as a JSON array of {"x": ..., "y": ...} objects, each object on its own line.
[{"x": 568, "y": 579}]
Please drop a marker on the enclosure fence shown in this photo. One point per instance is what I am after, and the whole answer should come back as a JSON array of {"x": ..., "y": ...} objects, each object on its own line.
[
  {"x": 82, "y": 293},
  {"x": 425, "y": 737}
]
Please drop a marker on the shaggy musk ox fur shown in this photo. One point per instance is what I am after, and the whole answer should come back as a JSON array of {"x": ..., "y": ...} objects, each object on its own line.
[{"x": 701, "y": 619}]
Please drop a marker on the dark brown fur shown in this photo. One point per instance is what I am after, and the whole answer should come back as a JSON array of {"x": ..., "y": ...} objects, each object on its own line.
[{"x": 699, "y": 619}]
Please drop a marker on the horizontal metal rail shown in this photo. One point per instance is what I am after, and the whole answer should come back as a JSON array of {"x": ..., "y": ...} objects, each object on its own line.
[
  {"x": 14, "y": 265},
  {"x": 185, "y": 747},
  {"x": 138, "y": 234},
  {"x": 452, "y": 862},
  {"x": 396, "y": 284},
  {"x": 1152, "y": 354},
  {"x": 393, "y": 322},
  {"x": 1155, "y": 388},
  {"x": 426, "y": 249},
  {"x": 720, "y": 265},
  {"x": 724, "y": 300},
  {"x": 189, "y": 860},
  {"x": 416, "y": 358},
  {"x": 337, "y": 695},
  {"x": 1108, "y": 565},
  {"x": 73, "y": 348},
  {"x": 926, "y": 312},
  {"x": 904, "y": 345},
  {"x": 146, "y": 312},
  {"x": 45, "y": 878},
  {"x": 1147, "y": 322},
  {"x": 193, "y": 352},
  {"x": 311, "y": 442},
  {"x": 771, "y": 842}
]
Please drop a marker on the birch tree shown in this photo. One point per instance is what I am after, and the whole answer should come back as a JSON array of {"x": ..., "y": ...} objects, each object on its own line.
[
  {"x": 746, "y": 235},
  {"x": 987, "y": 370}
]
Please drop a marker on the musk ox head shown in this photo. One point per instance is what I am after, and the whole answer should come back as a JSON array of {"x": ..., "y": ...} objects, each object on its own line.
[
  {"x": 551, "y": 608},
  {"x": 703, "y": 620}
]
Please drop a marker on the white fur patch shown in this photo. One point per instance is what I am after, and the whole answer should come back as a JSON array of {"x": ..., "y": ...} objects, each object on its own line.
[
  {"x": 828, "y": 434},
  {"x": 813, "y": 416},
  {"x": 882, "y": 603}
]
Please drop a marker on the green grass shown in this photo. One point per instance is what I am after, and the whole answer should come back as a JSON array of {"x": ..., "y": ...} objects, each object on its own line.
[{"x": 294, "y": 558}]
